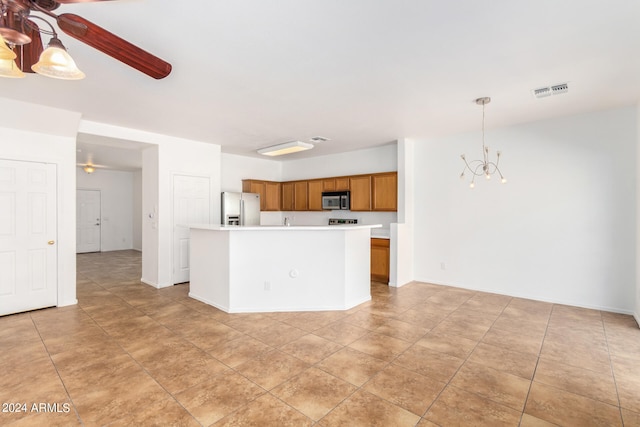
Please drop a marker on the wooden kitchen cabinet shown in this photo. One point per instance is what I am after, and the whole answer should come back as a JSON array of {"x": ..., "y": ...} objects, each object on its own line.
[
  {"x": 300, "y": 196},
  {"x": 287, "y": 196},
  {"x": 271, "y": 196},
  {"x": 269, "y": 193},
  {"x": 360, "y": 187},
  {"x": 380, "y": 260},
  {"x": 384, "y": 191},
  {"x": 314, "y": 189}
]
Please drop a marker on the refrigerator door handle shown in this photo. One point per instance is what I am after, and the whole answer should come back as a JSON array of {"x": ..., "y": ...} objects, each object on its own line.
[{"x": 241, "y": 212}]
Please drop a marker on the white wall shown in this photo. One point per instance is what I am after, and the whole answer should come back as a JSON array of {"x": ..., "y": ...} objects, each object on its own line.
[
  {"x": 562, "y": 229},
  {"x": 116, "y": 205},
  {"x": 50, "y": 139},
  {"x": 235, "y": 168},
  {"x": 379, "y": 159}
]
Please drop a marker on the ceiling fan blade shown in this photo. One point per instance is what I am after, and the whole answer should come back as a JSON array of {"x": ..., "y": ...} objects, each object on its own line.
[
  {"x": 114, "y": 46},
  {"x": 29, "y": 54}
]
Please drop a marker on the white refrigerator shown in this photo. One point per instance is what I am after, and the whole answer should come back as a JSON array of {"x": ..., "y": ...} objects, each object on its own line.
[{"x": 240, "y": 208}]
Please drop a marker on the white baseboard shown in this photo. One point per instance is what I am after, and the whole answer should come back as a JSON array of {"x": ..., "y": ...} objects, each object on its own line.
[{"x": 637, "y": 317}]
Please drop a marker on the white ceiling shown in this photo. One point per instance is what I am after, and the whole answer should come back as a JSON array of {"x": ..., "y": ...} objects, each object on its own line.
[{"x": 252, "y": 73}]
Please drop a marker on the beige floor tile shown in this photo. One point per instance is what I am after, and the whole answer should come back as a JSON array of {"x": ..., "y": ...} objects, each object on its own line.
[
  {"x": 218, "y": 397},
  {"x": 266, "y": 410},
  {"x": 407, "y": 389},
  {"x": 595, "y": 385},
  {"x": 430, "y": 363},
  {"x": 630, "y": 418},
  {"x": 531, "y": 421},
  {"x": 342, "y": 332},
  {"x": 575, "y": 353},
  {"x": 402, "y": 330},
  {"x": 363, "y": 409},
  {"x": 457, "y": 407},
  {"x": 272, "y": 368},
  {"x": 165, "y": 412},
  {"x": 277, "y": 336},
  {"x": 314, "y": 392},
  {"x": 469, "y": 330},
  {"x": 565, "y": 408},
  {"x": 512, "y": 362},
  {"x": 498, "y": 386},
  {"x": 453, "y": 345},
  {"x": 380, "y": 346},
  {"x": 310, "y": 348},
  {"x": 352, "y": 365},
  {"x": 238, "y": 351},
  {"x": 513, "y": 341}
]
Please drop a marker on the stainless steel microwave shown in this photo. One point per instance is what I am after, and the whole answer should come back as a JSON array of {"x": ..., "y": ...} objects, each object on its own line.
[{"x": 334, "y": 200}]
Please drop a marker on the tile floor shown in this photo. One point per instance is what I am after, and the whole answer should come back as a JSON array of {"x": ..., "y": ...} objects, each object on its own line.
[{"x": 424, "y": 355}]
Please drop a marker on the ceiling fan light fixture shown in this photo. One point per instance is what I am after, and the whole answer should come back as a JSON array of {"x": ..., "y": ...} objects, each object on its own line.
[
  {"x": 5, "y": 52},
  {"x": 55, "y": 62},
  {"x": 89, "y": 169},
  {"x": 9, "y": 68},
  {"x": 285, "y": 148}
]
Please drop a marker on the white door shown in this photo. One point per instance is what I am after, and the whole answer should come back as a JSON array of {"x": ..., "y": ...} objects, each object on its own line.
[
  {"x": 191, "y": 205},
  {"x": 88, "y": 221},
  {"x": 28, "y": 234}
]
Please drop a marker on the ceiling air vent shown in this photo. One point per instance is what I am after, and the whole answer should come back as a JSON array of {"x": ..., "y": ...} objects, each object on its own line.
[
  {"x": 319, "y": 139},
  {"x": 543, "y": 92}
]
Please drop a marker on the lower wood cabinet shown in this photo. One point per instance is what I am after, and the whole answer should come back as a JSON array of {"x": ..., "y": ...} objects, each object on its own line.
[{"x": 380, "y": 260}]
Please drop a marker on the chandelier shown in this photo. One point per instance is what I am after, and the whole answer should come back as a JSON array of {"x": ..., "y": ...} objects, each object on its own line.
[{"x": 484, "y": 166}]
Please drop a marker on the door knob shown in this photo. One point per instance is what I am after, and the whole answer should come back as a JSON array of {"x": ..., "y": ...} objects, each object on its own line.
[
  {"x": 97, "y": 223},
  {"x": 51, "y": 242}
]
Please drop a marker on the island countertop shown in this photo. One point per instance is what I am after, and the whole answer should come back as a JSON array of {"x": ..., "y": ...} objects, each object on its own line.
[
  {"x": 218, "y": 227},
  {"x": 241, "y": 269}
]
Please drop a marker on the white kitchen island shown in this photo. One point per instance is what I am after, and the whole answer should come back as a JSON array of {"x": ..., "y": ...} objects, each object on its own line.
[{"x": 242, "y": 269}]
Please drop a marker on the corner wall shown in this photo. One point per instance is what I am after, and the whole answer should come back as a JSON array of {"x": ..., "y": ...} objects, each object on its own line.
[{"x": 563, "y": 229}]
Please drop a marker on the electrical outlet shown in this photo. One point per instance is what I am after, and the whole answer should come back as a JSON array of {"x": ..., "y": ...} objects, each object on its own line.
[
  {"x": 443, "y": 266},
  {"x": 267, "y": 286}
]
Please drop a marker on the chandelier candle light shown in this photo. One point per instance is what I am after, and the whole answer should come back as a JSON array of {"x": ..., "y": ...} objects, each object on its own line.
[{"x": 484, "y": 166}]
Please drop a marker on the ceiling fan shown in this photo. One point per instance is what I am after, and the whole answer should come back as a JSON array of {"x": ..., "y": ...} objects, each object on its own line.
[{"x": 19, "y": 30}]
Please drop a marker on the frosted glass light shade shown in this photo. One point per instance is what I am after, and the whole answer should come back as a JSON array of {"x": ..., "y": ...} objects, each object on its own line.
[
  {"x": 57, "y": 63},
  {"x": 9, "y": 68},
  {"x": 286, "y": 148},
  {"x": 5, "y": 52}
]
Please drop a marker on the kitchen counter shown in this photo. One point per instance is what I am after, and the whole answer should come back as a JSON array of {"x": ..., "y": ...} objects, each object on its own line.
[{"x": 280, "y": 268}]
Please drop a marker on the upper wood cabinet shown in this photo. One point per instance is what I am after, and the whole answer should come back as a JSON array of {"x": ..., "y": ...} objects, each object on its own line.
[
  {"x": 300, "y": 196},
  {"x": 315, "y": 188},
  {"x": 287, "y": 196},
  {"x": 272, "y": 196},
  {"x": 335, "y": 184},
  {"x": 371, "y": 192},
  {"x": 269, "y": 193},
  {"x": 360, "y": 187},
  {"x": 384, "y": 191}
]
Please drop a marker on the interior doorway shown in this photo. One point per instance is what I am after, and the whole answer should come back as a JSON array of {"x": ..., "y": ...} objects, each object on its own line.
[{"x": 88, "y": 221}]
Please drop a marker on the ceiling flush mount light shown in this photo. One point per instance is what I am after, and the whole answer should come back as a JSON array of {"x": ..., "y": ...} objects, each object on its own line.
[
  {"x": 286, "y": 148},
  {"x": 482, "y": 167},
  {"x": 89, "y": 169}
]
